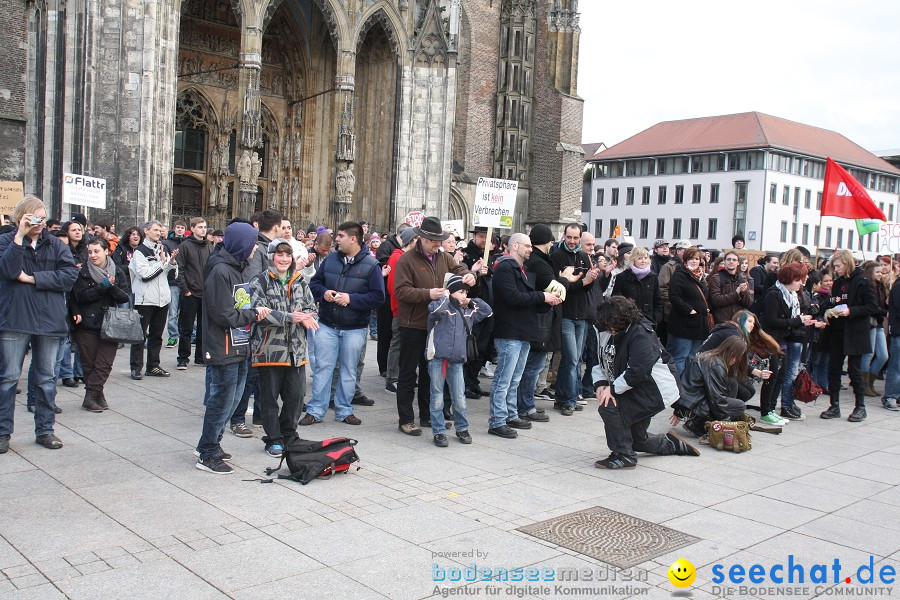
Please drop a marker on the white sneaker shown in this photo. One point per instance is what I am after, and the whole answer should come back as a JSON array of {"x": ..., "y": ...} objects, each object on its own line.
[
  {"x": 487, "y": 370},
  {"x": 581, "y": 401}
]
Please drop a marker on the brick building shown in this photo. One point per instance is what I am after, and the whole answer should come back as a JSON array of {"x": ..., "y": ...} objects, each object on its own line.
[{"x": 323, "y": 109}]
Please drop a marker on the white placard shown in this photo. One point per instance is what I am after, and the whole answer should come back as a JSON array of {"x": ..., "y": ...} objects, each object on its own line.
[
  {"x": 889, "y": 238},
  {"x": 495, "y": 202},
  {"x": 83, "y": 190},
  {"x": 455, "y": 226}
]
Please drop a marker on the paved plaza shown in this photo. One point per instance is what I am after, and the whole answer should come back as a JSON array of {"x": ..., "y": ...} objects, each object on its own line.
[{"x": 121, "y": 511}]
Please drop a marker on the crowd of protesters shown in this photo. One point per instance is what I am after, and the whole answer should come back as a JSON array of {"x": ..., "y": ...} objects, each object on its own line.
[{"x": 548, "y": 318}]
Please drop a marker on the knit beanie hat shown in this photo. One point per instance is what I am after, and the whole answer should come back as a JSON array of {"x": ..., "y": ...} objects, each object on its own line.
[
  {"x": 406, "y": 236},
  {"x": 455, "y": 283},
  {"x": 541, "y": 234}
]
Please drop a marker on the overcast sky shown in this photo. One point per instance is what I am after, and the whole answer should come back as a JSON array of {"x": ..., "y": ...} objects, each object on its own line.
[{"x": 825, "y": 63}]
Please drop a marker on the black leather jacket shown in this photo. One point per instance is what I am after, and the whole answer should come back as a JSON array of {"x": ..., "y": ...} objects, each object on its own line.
[{"x": 708, "y": 393}]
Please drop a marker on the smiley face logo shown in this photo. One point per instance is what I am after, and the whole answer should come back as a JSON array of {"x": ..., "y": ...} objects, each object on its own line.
[{"x": 682, "y": 573}]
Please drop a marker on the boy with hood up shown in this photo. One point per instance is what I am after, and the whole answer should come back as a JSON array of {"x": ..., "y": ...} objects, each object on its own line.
[
  {"x": 227, "y": 318},
  {"x": 278, "y": 343}
]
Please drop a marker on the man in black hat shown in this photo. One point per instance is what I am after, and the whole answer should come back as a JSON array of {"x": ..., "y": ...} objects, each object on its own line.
[
  {"x": 737, "y": 242},
  {"x": 483, "y": 331},
  {"x": 419, "y": 279}
]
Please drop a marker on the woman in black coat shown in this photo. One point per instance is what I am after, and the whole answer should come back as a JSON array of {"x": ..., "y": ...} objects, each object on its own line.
[
  {"x": 100, "y": 285},
  {"x": 852, "y": 303},
  {"x": 690, "y": 316},
  {"x": 641, "y": 284},
  {"x": 634, "y": 379}
]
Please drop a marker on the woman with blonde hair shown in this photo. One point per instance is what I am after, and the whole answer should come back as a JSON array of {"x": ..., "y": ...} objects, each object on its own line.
[{"x": 641, "y": 284}]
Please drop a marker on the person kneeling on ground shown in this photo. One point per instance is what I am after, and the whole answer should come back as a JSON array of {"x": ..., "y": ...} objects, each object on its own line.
[
  {"x": 714, "y": 387},
  {"x": 635, "y": 379},
  {"x": 278, "y": 343},
  {"x": 450, "y": 319}
]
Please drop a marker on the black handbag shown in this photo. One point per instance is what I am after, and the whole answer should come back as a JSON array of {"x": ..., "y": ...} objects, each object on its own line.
[
  {"x": 472, "y": 352},
  {"x": 122, "y": 325}
]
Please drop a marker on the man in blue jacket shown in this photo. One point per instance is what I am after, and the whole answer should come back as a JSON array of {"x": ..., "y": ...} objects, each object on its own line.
[
  {"x": 36, "y": 272},
  {"x": 348, "y": 286}
]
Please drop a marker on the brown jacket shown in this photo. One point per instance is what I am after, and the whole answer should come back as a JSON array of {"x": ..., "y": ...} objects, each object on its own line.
[
  {"x": 414, "y": 276},
  {"x": 724, "y": 299}
]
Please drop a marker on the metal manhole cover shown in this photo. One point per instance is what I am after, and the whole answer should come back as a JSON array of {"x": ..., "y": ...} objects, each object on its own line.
[{"x": 609, "y": 536}]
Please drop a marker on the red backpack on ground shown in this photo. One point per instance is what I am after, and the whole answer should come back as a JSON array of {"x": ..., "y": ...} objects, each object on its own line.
[{"x": 308, "y": 459}]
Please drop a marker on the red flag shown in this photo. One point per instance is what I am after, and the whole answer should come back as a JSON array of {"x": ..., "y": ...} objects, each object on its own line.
[{"x": 845, "y": 197}]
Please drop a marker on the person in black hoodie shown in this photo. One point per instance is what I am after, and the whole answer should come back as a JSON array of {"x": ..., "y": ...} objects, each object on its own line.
[
  {"x": 100, "y": 284},
  {"x": 227, "y": 318},
  {"x": 192, "y": 258},
  {"x": 853, "y": 301},
  {"x": 634, "y": 380},
  {"x": 568, "y": 257}
]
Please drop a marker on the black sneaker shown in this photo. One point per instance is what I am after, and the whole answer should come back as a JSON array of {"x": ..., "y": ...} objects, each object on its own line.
[
  {"x": 567, "y": 411},
  {"x": 391, "y": 387},
  {"x": 792, "y": 412},
  {"x": 858, "y": 414},
  {"x": 182, "y": 364},
  {"x": 49, "y": 441},
  {"x": 157, "y": 372},
  {"x": 833, "y": 412},
  {"x": 472, "y": 394},
  {"x": 425, "y": 423},
  {"x": 215, "y": 465},
  {"x": 241, "y": 430},
  {"x": 4, "y": 443},
  {"x": 222, "y": 454},
  {"x": 504, "y": 431},
  {"x": 136, "y": 375},
  {"x": 70, "y": 382},
  {"x": 537, "y": 417},
  {"x": 682, "y": 448},
  {"x": 440, "y": 440},
  {"x": 464, "y": 437},
  {"x": 518, "y": 424},
  {"x": 199, "y": 361},
  {"x": 615, "y": 461},
  {"x": 362, "y": 400}
]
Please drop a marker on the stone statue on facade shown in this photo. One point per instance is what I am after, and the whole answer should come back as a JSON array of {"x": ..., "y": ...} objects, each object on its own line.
[
  {"x": 223, "y": 194},
  {"x": 244, "y": 169},
  {"x": 344, "y": 183},
  {"x": 255, "y": 167},
  {"x": 213, "y": 195},
  {"x": 295, "y": 192},
  {"x": 298, "y": 147},
  {"x": 222, "y": 145}
]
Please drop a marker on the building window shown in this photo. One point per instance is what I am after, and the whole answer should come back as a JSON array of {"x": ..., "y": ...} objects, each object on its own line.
[
  {"x": 628, "y": 224},
  {"x": 850, "y": 239},
  {"x": 740, "y": 207},
  {"x": 714, "y": 193},
  {"x": 828, "y": 238},
  {"x": 695, "y": 199},
  {"x": 773, "y": 191},
  {"x": 805, "y": 234},
  {"x": 679, "y": 194},
  {"x": 676, "y": 228},
  {"x": 190, "y": 149},
  {"x": 645, "y": 195},
  {"x": 786, "y": 196},
  {"x": 784, "y": 231},
  {"x": 645, "y": 228},
  {"x": 613, "y": 223},
  {"x": 598, "y": 228},
  {"x": 840, "y": 238},
  {"x": 819, "y": 201},
  {"x": 796, "y": 196},
  {"x": 600, "y": 192},
  {"x": 660, "y": 229},
  {"x": 891, "y": 213},
  {"x": 629, "y": 196},
  {"x": 794, "y": 232},
  {"x": 869, "y": 243},
  {"x": 614, "y": 201},
  {"x": 662, "y": 194},
  {"x": 713, "y": 229},
  {"x": 695, "y": 229},
  {"x": 816, "y": 239},
  {"x": 807, "y": 199}
]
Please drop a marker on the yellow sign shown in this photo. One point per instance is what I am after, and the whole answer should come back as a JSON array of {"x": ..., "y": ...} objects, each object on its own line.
[{"x": 11, "y": 193}]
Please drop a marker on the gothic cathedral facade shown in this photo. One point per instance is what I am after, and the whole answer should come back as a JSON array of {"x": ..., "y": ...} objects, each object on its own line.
[{"x": 322, "y": 109}]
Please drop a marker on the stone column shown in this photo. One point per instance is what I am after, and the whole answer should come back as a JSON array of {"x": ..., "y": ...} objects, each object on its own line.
[
  {"x": 249, "y": 165},
  {"x": 345, "y": 154}
]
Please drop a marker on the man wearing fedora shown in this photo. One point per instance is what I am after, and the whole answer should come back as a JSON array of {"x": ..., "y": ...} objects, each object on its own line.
[
  {"x": 419, "y": 279},
  {"x": 483, "y": 331}
]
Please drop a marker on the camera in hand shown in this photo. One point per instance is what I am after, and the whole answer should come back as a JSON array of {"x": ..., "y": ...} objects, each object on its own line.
[{"x": 35, "y": 220}]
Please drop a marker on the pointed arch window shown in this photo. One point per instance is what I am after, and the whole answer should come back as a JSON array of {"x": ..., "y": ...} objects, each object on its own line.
[{"x": 191, "y": 127}]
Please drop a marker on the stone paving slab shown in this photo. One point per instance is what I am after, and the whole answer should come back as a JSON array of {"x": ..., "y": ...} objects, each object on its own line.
[{"x": 121, "y": 510}]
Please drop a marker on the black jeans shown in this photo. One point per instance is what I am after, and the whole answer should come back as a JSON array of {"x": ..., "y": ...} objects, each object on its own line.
[
  {"x": 290, "y": 384},
  {"x": 771, "y": 387},
  {"x": 412, "y": 358},
  {"x": 629, "y": 440},
  {"x": 385, "y": 334},
  {"x": 153, "y": 321},
  {"x": 191, "y": 310},
  {"x": 836, "y": 361}
]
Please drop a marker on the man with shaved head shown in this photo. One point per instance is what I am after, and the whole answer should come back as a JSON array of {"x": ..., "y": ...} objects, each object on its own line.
[{"x": 515, "y": 309}]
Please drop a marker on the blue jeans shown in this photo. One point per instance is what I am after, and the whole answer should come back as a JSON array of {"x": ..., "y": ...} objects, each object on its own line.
[
  {"x": 873, "y": 361},
  {"x": 818, "y": 368},
  {"x": 567, "y": 380},
  {"x": 534, "y": 364},
  {"x": 175, "y": 291},
  {"x": 511, "y": 358},
  {"x": 791, "y": 367},
  {"x": 457, "y": 386},
  {"x": 682, "y": 350},
  {"x": 335, "y": 348},
  {"x": 226, "y": 383},
  {"x": 43, "y": 356},
  {"x": 892, "y": 375},
  {"x": 63, "y": 360}
]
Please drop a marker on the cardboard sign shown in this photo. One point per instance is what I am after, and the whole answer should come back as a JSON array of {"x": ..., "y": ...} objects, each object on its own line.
[
  {"x": 84, "y": 191},
  {"x": 414, "y": 218},
  {"x": 495, "y": 202},
  {"x": 889, "y": 238},
  {"x": 11, "y": 193}
]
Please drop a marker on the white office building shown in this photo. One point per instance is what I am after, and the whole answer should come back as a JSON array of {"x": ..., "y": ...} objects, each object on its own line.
[{"x": 710, "y": 178}]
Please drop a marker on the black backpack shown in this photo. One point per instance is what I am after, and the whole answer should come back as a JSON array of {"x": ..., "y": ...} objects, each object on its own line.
[{"x": 308, "y": 459}]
